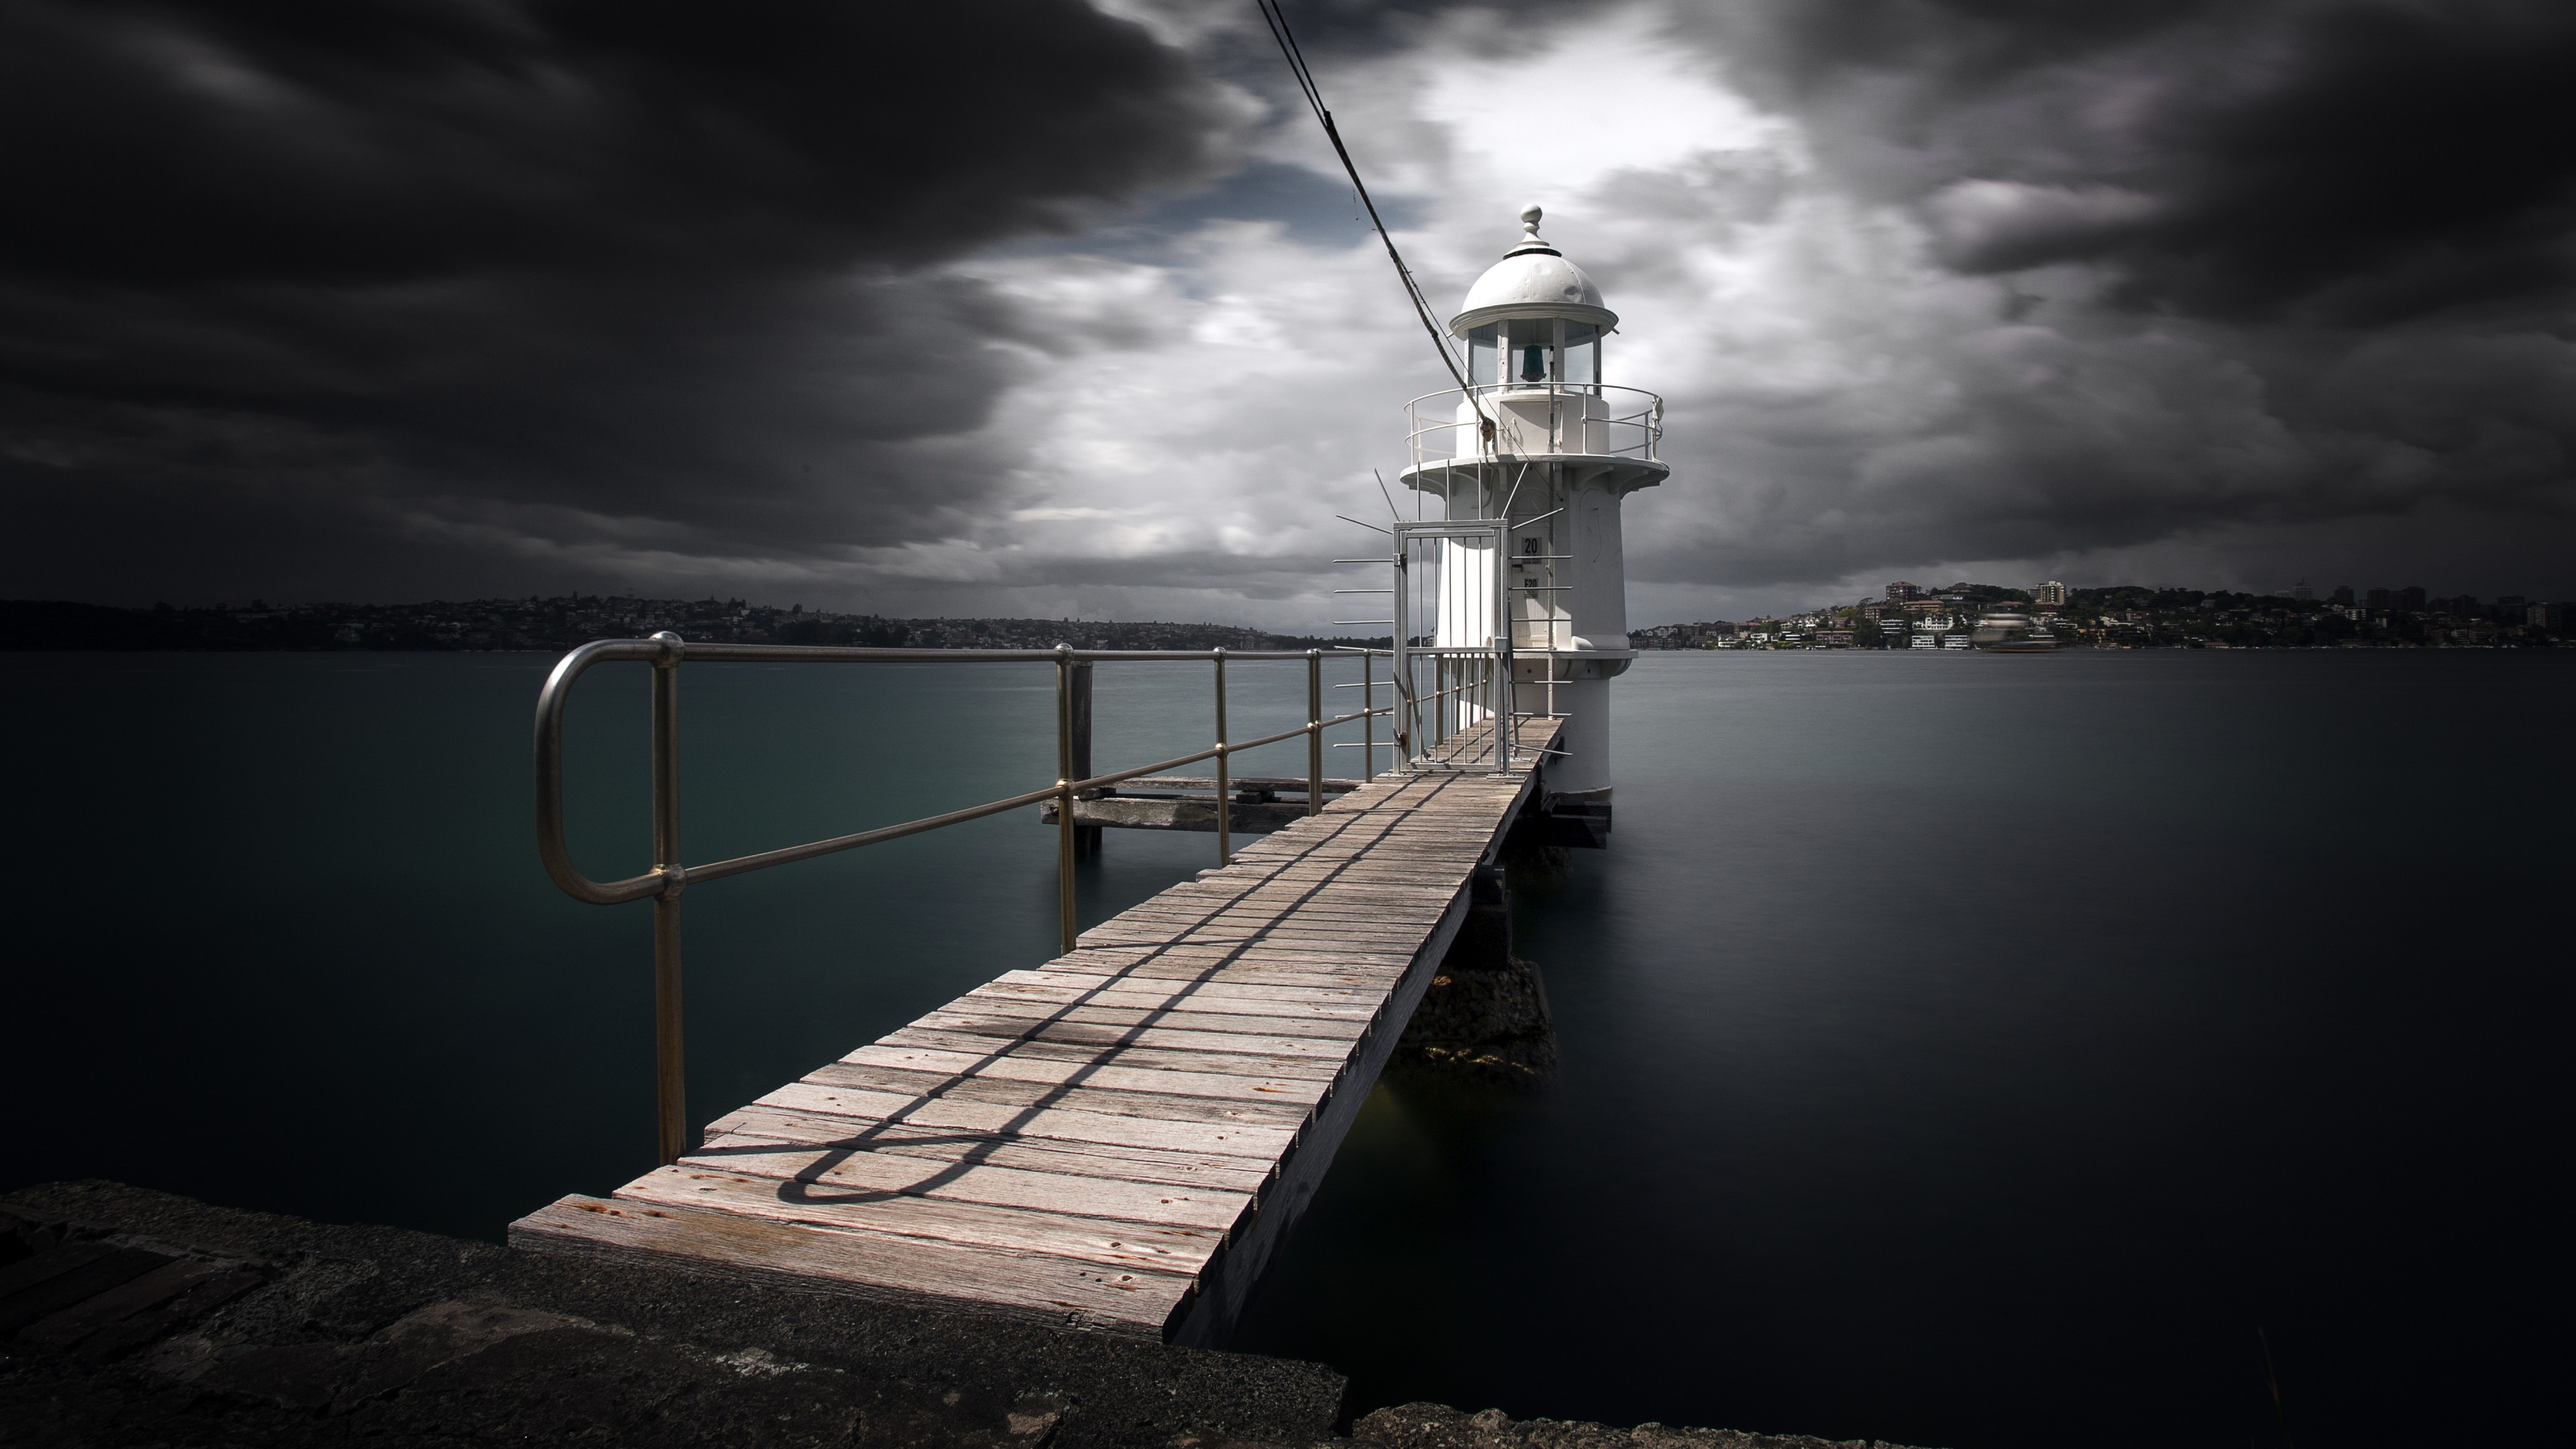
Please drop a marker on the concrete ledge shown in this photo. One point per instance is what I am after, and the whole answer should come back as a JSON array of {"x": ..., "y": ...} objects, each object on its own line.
[
  {"x": 129, "y": 1316},
  {"x": 381, "y": 1334}
]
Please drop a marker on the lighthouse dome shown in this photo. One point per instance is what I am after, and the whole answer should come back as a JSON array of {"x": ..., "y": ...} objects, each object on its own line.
[{"x": 1532, "y": 280}]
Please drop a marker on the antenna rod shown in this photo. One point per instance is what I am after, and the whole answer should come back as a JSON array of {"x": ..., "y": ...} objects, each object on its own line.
[{"x": 1391, "y": 509}]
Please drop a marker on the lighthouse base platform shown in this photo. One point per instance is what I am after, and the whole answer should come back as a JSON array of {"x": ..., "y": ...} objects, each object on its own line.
[{"x": 1576, "y": 818}]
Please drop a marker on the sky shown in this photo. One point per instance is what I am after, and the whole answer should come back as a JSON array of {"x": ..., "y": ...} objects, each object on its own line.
[{"x": 1036, "y": 308}]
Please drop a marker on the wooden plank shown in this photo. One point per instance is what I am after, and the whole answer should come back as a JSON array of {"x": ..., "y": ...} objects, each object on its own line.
[
  {"x": 1180, "y": 965},
  {"x": 1163, "y": 1017},
  {"x": 1325, "y": 898},
  {"x": 1090, "y": 1034},
  {"x": 1022, "y": 1066},
  {"x": 1265, "y": 927},
  {"x": 1213, "y": 989},
  {"x": 1073, "y": 1096},
  {"x": 1359, "y": 922},
  {"x": 1425, "y": 873},
  {"x": 1136, "y": 1300},
  {"x": 1323, "y": 951},
  {"x": 835, "y": 1180},
  {"x": 1195, "y": 1058},
  {"x": 1102, "y": 938},
  {"x": 1430, "y": 827},
  {"x": 1075, "y": 1159},
  {"x": 1126, "y": 994},
  {"x": 1100, "y": 1242},
  {"x": 1294, "y": 885},
  {"x": 1324, "y": 903},
  {"x": 1148, "y": 933},
  {"x": 1241, "y": 964},
  {"x": 1336, "y": 888},
  {"x": 1340, "y": 893},
  {"x": 1232, "y": 1139}
]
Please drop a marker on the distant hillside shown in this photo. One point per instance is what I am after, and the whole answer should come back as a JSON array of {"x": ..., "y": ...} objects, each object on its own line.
[{"x": 562, "y": 623}]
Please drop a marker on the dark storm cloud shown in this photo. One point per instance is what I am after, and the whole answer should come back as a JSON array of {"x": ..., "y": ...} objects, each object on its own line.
[
  {"x": 2334, "y": 252},
  {"x": 349, "y": 288},
  {"x": 2341, "y": 163}
]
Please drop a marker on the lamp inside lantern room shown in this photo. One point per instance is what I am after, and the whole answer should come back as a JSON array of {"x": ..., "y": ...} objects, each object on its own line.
[{"x": 1534, "y": 352}]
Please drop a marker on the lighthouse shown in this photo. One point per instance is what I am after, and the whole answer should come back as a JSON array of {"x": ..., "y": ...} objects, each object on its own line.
[{"x": 1540, "y": 449}]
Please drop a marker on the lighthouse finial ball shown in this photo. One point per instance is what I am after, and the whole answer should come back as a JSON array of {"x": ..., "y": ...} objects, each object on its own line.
[{"x": 1530, "y": 215}]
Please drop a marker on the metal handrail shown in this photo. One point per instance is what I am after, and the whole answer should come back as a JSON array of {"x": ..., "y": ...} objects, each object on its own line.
[
  {"x": 1648, "y": 420},
  {"x": 664, "y": 883}
]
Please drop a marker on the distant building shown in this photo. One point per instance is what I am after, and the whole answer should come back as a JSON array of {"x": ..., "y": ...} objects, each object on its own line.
[
  {"x": 2377, "y": 599},
  {"x": 2341, "y": 595},
  {"x": 1834, "y": 638},
  {"x": 2411, "y": 599},
  {"x": 2300, "y": 590},
  {"x": 1923, "y": 606},
  {"x": 2507, "y": 603},
  {"x": 1901, "y": 590},
  {"x": 1925, "y": 641},
  {"x": 2051, "y": 592},
  {"x": 2552, "y": 617}
]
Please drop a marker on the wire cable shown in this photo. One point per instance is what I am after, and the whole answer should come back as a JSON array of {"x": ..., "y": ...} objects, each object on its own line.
[{"x": 1278, "y": 23}]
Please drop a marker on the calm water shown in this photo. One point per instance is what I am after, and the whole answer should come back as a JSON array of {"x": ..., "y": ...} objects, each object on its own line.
[{"x": 1957, "y": 1051}]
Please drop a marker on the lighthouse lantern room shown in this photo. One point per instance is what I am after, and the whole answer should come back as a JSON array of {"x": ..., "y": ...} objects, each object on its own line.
[{"x": 1536, "y": 453}]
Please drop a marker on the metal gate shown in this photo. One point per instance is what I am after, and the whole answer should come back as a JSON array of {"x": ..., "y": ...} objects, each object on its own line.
[{"x": 1453, "y": 657}]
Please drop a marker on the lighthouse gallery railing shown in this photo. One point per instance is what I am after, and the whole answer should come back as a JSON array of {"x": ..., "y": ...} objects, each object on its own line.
[
  {"x": 1626, "y": 422},
  {"x": 664, "y": 883}
]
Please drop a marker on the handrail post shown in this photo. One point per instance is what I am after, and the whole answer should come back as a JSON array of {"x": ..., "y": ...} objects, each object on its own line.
[
  {"x": 1314, "y": 731},
  {"x": 1224, "y": 789},
  {"x": 1086, "y": 838},
  {"x": 1064, "y": 778},
  {"x": 1368, "y": 717},
  {"x": 670, "y": 1059}
]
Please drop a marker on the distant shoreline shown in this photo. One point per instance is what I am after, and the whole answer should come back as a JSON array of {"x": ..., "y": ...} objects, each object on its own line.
[{"x": 539, "y": 625}]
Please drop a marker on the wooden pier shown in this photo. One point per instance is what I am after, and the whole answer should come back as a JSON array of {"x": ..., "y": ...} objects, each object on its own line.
[{"x": 1119, "y": 1138}]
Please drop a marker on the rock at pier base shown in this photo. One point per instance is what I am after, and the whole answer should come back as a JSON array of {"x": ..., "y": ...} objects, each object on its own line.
[{"x": 1491, "y": 1025}]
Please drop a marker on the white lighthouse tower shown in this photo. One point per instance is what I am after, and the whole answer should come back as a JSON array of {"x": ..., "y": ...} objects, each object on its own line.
[{"x": 1543, "y": 447}]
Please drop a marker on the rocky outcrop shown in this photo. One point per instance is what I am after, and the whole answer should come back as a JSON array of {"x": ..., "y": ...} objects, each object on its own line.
[{"x": 1492, "y": 1024}]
